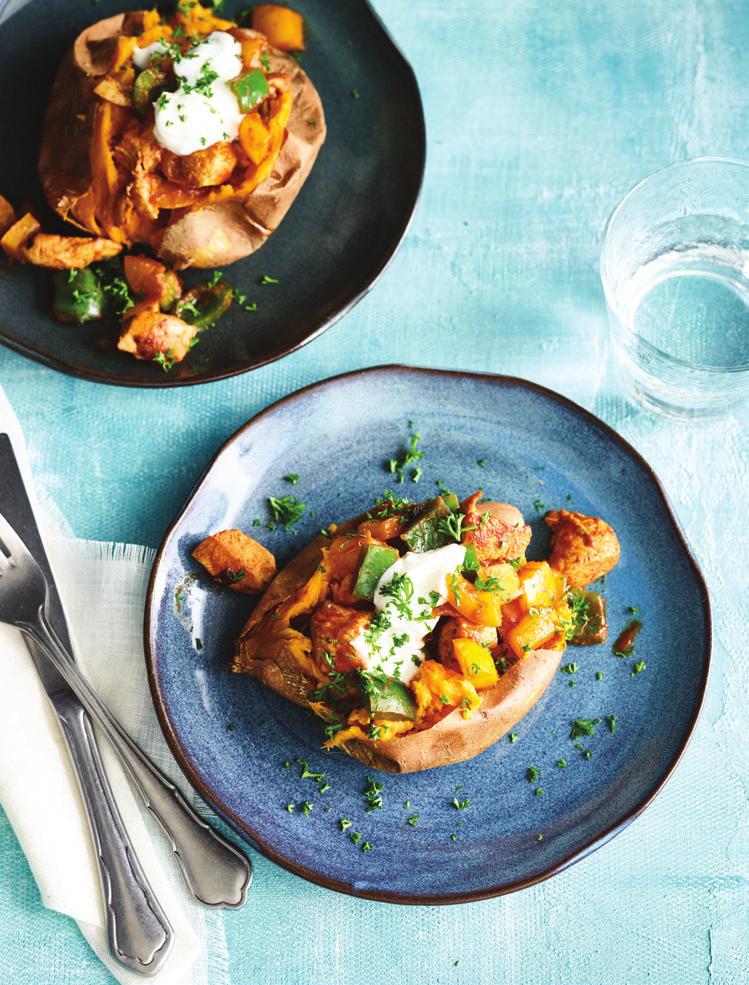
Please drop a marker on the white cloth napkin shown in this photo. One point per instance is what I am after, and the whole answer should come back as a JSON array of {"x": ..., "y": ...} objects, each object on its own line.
[{"x": 103, "y": 587}]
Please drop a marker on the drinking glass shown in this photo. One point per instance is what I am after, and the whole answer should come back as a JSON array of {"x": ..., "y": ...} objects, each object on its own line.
[{"x": 675, "y": 272}]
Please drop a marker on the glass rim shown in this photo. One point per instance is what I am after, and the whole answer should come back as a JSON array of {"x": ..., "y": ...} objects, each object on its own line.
[{"x": 673, "y": 166}]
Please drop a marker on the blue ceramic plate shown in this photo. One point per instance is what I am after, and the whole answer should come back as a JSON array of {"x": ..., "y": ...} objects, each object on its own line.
[
  {"x": 336, "y": 240},
  {"x": 232, "y": 736}
]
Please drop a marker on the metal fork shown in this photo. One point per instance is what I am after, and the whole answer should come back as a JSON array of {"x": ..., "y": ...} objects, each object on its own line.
[{"x": 217, "y": 874}]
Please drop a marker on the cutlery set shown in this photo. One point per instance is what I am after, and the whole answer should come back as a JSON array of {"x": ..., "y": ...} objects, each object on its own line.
[{"x": 139, "y": 934}]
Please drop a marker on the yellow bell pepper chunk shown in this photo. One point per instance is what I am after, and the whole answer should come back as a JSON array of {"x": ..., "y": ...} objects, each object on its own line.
[
  {"x": 531, "y": 632},
  {"x": 542, "y": 586},
  {"x": 476, "y": 663},
  {"x": 504, "y": 580},
  {"x": 483, "y": 608}
]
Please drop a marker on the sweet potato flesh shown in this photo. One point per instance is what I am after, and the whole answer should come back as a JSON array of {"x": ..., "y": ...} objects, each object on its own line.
[{"x": 237, "y": 561}]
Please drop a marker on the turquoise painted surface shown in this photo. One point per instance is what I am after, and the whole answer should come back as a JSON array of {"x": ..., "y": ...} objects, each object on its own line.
[{"x": 539, "y": 117}]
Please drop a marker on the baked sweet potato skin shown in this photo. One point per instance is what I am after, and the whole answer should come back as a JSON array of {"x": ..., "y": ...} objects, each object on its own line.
[
  {"x": 454, "y": 739},
  {"x": 201, "y": 236},
  {"x": 451, "y": 740}
]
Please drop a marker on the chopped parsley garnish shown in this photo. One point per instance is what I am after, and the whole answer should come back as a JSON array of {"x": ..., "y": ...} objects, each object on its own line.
[
  {"x": 355, "y": 94},
  {"x": 599, "y": 675},
  {"x": 513, "y": 737},
  {"x": 638, "y": 668},
  {"x": 481, "y": 462},
  {"x": 356, "y": 837},
  {"x": 561, "y": 763},
  {"x": 287, "y": 510},
  {"x": 367, "y": 846},
  {"x": 267, "y": 280},
  {"x": 413, "y": 821},
  {"x": 531, "y": 774},
  {"x": 292, "y": 478},
  {"x": 398, "y": 466},
  {"x": 612, "y": 723},
  {"x": 452, "y": 526},
  {"x": 165, "y": 360},
  {"x": 538, "y": 792},
  {"x": 373, "y": 795},
  {"x": 539, "y": 506},
  {"x": 306, "y": 773},
  {"x": 344, "y": 823},
  {"x": 290, "y": 808},
  {"x": 400, "y": 591},
  {"x": 569, "y": 669},
  {"x": 231, "y": 727},
  {"x": 306, "y": 807},
  {"x": 460, "y": 805},
  {"x": 583, "y": 727}
]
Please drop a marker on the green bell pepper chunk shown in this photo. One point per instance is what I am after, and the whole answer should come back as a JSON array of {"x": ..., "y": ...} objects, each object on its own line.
[
  {"x": 390, "y": 699},
  {"x": 250, "y": 89},
  {"x": 451, "y": 501},
  {"x": 79, "y": 296},
  {"x": 204, "y": 304},
  {"x": 588, "y": 617},
  {"x": 424, "y": 534},
  {"x": 146, "y": 87},
  {"x": 375, "y": 562}
]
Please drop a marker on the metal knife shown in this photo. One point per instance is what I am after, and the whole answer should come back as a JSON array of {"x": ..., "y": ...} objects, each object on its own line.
[{"x": 139, "y": 934}]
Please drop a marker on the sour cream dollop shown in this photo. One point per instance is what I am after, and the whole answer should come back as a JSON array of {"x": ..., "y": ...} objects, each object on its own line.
[
  {"x": 404, "y": 598},
  {"x": 204, "y": 110}
]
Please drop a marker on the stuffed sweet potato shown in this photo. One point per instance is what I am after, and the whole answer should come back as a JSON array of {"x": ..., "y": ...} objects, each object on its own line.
[
  {"x": 418, "y": 633},
  {"x": 189, "y": 135}
]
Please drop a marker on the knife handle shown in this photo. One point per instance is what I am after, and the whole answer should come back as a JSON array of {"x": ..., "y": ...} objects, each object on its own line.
[{"x": 139, "y": 934}]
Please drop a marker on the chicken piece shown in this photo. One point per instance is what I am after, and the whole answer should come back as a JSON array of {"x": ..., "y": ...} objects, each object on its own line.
[
  {"x": 151, "y": 335},
  {"x": 68, "y": 252},
  {"x": 212, "y": 166},
  {"x": 499, "y": 534},
  {"x": 454, "y": 628},
  {"x": 333, "y": 628},
  {"x": 237, "y": 561},
  {"x": 583, "y": 548},
  {"x": 7, "y": 215}
]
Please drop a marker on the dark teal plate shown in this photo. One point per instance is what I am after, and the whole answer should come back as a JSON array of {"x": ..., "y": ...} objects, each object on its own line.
[
  {"x": 232, "y": 736},
  {"x": 332, "y": 246}
]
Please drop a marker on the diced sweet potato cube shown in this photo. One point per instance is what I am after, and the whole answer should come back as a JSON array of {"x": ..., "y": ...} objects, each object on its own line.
[
  {"x": 17, "y": 235},
  {"x": 283, "y": 27},
  {"x": 237, "y": 561},
  {"x": 7, "y": 215}
]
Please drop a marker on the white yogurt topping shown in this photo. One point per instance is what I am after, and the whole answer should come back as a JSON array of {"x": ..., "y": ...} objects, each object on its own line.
[
  {"x": 204, "y": 110},
  {"x": 142, "y": 56},
  {"x": 405, "y": 597}
]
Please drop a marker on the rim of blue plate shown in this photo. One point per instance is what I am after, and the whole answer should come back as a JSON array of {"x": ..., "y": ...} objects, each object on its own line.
[
  {"x": 290, "y": 865},
  {"x": 38, "y": 355}
]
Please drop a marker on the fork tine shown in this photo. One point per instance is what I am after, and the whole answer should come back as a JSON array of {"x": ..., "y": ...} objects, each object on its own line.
[{"x": 13, "y": 542}]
